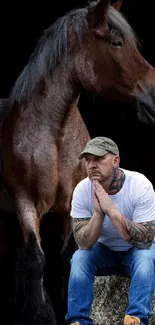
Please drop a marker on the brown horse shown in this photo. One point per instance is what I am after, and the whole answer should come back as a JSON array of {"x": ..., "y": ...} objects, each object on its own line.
[{"x": 91, "y": 48}]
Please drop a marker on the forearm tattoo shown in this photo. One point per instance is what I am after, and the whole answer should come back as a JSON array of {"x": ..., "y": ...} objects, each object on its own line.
[
  {"x": 141, "y": 235},
  {"x": 79, "y": 230}
]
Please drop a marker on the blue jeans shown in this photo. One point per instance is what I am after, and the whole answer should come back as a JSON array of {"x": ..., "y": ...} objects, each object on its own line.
[{"x": 138, "y": 264}]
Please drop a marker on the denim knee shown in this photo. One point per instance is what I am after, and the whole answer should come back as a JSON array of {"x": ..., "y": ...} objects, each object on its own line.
[
  {"x": 82, "y": 262},
  {"x": 141, "y": 261}
]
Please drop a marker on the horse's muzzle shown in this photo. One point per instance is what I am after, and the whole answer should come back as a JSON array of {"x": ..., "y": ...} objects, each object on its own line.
[{"x": 146, "y": 106}]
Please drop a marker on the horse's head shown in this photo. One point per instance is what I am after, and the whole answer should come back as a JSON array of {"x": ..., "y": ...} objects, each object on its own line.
[{"x": 108, "y": 61}]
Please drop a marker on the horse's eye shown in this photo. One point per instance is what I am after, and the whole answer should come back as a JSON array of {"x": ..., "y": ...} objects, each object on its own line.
[{"x": 116, "y": 44}]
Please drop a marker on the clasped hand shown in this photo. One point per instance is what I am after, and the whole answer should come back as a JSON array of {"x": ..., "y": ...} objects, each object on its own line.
[{"x": 102, "y": 201}]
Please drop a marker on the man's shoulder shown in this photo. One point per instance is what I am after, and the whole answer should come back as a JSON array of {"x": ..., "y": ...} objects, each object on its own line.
[
  {"x": 137, "y": 178},
  {"x": 135, "y": 175}
]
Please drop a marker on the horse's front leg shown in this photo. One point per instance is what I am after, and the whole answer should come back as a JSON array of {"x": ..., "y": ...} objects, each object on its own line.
[{"x": 30, "y": 298}]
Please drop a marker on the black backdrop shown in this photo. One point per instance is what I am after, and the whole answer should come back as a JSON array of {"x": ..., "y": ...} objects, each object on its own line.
[{"x": 21, "y": 25}]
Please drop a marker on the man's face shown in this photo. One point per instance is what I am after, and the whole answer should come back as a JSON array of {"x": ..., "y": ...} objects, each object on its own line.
[{"x": 101, "y": 168}]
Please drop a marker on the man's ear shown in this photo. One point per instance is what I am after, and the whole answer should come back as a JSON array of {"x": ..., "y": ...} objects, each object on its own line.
[{"x": 116, "y": 160}]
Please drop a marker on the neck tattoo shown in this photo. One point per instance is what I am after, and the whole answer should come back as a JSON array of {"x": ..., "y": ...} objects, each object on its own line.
[{"x": 118, "y": 181}]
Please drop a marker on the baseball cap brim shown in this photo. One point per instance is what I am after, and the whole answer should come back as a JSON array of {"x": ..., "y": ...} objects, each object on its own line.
[{"x": 93, "y": 151}]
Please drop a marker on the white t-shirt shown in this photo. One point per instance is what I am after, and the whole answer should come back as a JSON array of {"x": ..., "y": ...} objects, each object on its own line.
[{"x": 135, "y": 200}]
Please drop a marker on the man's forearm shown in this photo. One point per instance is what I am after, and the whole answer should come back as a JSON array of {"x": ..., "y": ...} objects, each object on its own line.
[
  {"x": 140, "y": 235},
  {"x": 87, "y": 234}
]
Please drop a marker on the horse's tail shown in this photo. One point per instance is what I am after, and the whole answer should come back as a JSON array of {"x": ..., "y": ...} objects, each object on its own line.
[{"x": 4, "y": 108}]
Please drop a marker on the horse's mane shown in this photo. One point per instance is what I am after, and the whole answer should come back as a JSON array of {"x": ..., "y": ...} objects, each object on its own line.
[{"x": 53, "y": 44}]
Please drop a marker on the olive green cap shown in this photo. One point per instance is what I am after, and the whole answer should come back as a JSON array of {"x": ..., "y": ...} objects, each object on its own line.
[{"x": 100, "y": 146}]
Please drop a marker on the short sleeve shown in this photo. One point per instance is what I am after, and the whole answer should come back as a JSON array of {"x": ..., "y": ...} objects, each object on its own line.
[
  {"x": 81, "y": 205},
  {"x": 144, "y": 202}
]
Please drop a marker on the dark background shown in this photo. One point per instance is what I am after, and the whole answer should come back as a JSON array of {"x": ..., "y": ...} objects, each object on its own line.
[{"x": 21, "y": 26}]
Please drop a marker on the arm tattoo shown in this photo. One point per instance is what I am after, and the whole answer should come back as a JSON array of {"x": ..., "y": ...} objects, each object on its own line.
[
  {"x": 79, "y": 233},
  {"x": 141, "y": 235}
]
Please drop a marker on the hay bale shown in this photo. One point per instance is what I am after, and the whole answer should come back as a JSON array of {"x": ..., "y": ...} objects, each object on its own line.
[{"x": 110, "y": 301}]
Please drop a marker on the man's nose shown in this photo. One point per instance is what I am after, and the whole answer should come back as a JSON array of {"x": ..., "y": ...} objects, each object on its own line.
[{"x": 92, "y": 163}]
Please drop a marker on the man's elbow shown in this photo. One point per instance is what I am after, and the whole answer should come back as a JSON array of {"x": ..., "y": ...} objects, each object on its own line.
[
  {"x": 145, "y": 245},
  {"x": 85, "y": 247}
]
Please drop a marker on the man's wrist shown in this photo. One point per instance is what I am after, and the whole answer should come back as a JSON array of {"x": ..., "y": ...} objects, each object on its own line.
[
  {"x": 98, "y": 214},
  {"x": 114, "y": 213}
]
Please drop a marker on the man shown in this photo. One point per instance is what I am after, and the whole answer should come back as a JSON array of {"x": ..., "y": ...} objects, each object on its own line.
[{"x": 113, "y": 213}]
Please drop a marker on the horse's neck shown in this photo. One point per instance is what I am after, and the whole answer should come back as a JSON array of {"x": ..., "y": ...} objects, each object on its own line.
[
  {"x": 51, "y": 103},
  {"x": 62, "y": 95}
]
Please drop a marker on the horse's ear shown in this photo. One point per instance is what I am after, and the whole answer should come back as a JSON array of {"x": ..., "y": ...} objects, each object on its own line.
[
  {"x": 117, "y": 5},
  {"x": 96, "y": 15}
]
